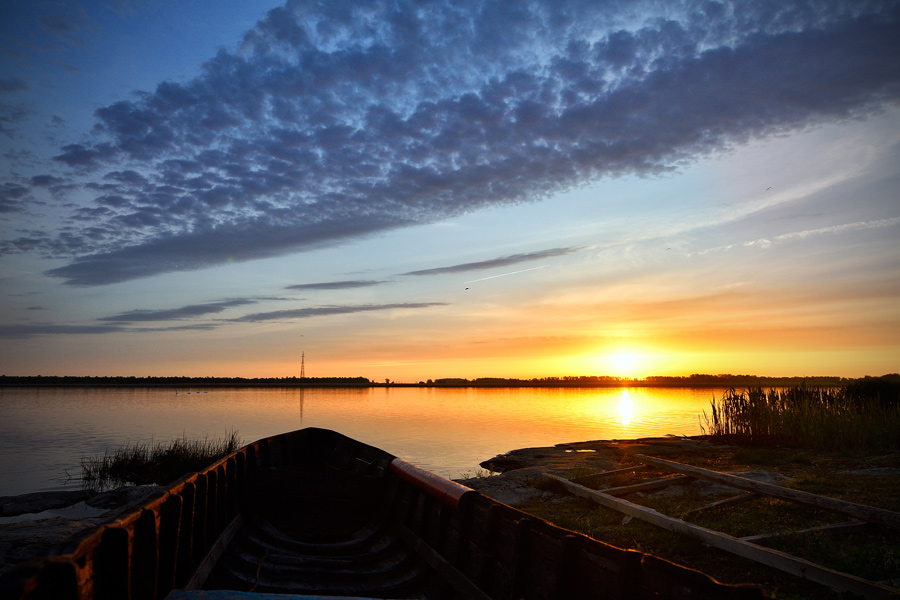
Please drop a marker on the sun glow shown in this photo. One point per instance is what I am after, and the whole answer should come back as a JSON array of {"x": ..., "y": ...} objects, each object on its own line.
[{"x": 623, "y": 364}]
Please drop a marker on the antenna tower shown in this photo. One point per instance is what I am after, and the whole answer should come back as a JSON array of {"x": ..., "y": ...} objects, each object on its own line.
[{"x": 303, "y": 365}]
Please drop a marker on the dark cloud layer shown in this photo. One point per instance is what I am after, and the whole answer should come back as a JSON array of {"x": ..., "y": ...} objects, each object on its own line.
[
  {"x": 22, "y": 331},
  {"x": 503, "y": 261},
  {"x": 12, "y": 84},
  {"x": 340, "y": 120},
  {"x": 319, "y": 311},
  {"x": 30, "y": 330},
  {"x": 184, "y": 312}
]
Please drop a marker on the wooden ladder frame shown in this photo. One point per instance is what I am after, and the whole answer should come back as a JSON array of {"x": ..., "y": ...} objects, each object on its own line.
[{"x": 745, "y": 547}]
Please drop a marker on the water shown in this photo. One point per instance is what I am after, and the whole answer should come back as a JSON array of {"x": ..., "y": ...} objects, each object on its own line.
[{"x": 45, "y": 432}]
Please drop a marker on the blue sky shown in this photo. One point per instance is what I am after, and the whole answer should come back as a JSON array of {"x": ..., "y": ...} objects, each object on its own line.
[{"x": 449, "y": 188}]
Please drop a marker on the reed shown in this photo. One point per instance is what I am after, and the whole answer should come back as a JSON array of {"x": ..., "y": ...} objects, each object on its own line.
[
  {"x": 801, "y": 417},
  {"x": 141, "y": 464}
]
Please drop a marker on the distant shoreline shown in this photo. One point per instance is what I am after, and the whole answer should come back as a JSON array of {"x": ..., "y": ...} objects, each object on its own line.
[{"x": 693, "y": 381}]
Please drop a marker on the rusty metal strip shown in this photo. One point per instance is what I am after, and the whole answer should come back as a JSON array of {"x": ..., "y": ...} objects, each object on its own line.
[{"x": 448, "y": 492}]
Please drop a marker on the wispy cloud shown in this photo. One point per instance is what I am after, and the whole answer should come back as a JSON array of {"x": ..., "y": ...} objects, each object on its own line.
[
  {"x": 503, "y": 261},
  {"x": 334, "y": 285},
  {"x": 320, "y": 311},
  {"x": 335, "y": 121},
  {"x": 858, "y": 226},
  {"x": 809, "y": 233}
]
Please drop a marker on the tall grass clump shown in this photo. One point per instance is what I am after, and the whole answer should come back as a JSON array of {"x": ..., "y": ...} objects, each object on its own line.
[
  {"x": 141, "y": 464},
  {"x": 862, "y": 417}
]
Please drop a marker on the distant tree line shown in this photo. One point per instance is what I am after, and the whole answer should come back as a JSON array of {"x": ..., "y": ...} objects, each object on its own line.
[
  {"x": 117, "y": 381},
  {"x": 575, "y": 381},
  {"x": 696, "y": 380}
]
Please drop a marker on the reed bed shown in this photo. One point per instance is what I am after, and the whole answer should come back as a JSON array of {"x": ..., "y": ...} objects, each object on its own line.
[
  {"x": 141, "y": 464},
  {"x": 839, "y": 418}
]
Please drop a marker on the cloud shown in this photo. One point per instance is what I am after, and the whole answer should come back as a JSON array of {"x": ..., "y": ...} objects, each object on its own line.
[
  {"x": 810, "y": 233},
  {"x": 503, "y": 261},
  {"x": 30, "y": 330},
  {"x": 10, "y": 117},
  {"x": 22, "y": 331},
  {"x": 335, "y": 121},
  {"x": 334, "y": 285},
  {"x": 184, "y": 312},
  {"x": 65, "y": 22},
  {"x": 320, "y": 311},
  {"x": 12, "y": 84},
  {"x": 857, "y": 226},
  {"x": 12, "y": 197}
]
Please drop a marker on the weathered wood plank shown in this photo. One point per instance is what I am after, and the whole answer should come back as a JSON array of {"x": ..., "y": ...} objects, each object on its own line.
[
  {"x": 648, "y": 486},
  {"x": 603, "y": 474},
  {"x": 842, "y": 582},
  {"x": 733, "y": 501},
  {"x": 212, "y": 557},
  {"x": 848, "y": 526},
  {"x": 870, "y": 514},
  {"x": 456, "y": 579}
]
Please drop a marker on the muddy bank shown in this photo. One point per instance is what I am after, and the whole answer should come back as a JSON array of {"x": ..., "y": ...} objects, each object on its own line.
[{"x": 518, "y": 471}]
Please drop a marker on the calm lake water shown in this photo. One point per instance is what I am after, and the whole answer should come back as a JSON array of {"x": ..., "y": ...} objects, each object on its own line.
[{"x": 45, "y": 432}]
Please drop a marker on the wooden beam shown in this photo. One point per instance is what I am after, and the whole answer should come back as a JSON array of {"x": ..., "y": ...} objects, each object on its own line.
[
  {"x": 870, "y": 514},
  {"x": 212, "y": 557},
  {"x": 648, "y": 486},
  {"x": 456, "y": 578},
  {"x": 602, "y": 474},
  {"x": 848, "y": 526},
  {"x": 841, "y": 582},
  {"x": 733, "y": 501}
]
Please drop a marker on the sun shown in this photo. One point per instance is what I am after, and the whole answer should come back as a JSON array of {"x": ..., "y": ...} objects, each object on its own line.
[
  {"x": 624, "y": 361},
  {"x": 623, "y": 364}
]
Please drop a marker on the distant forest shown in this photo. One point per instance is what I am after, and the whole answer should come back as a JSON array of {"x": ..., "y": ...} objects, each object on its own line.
[{"x": 696, "y": 380}]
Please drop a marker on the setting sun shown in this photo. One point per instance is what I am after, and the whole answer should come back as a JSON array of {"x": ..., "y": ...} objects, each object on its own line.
[{"x": 623, "y": 364}]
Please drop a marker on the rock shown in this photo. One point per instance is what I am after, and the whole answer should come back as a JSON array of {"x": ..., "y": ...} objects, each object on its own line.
[
  {"x": 122, "y": 497},
  {"x": 25, "y": 540},
  {"x": 510, "y": 488},
  {"x": 20, "y": 542},
  {"x": 11, "y": 506}
]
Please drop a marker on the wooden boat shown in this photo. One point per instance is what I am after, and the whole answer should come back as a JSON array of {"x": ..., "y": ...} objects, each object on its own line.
[{"x": 312, "y": 514}]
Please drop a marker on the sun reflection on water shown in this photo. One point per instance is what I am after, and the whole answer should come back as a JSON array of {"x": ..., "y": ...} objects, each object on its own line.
[{"x": 626, "y": 408}]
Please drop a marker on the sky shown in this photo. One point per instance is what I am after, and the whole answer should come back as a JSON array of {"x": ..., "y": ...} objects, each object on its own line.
[{"x": 412, "y": 191}]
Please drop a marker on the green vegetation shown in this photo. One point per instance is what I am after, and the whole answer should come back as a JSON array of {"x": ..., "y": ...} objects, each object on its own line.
[
  {"x": 864, "y": 414},
  {"x": 142, "y": 464}
]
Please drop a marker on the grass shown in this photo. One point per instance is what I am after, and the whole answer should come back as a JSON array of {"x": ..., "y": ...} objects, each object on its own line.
[
  {"x": 141, "y": 464},
  {"x": 861, "y": 416}
]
